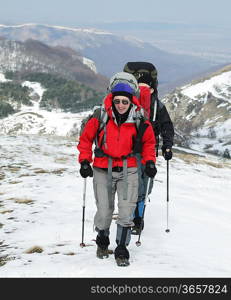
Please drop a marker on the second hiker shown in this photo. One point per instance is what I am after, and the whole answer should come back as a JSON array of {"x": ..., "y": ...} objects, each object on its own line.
[{"x": 158, "y": 115}]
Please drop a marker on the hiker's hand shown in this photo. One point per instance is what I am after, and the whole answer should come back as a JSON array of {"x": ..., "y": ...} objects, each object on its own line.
[
  {"x": 86, "y": 169},
  {"x": 150, "y": 169},
  {"x": 167, "y": 153}
]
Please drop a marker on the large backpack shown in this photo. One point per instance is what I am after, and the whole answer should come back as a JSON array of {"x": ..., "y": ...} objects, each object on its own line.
[
  {"x": 124, "y": 77},
  {"x": 140, "y": 68},
  {"x": 99, "y": 111}
]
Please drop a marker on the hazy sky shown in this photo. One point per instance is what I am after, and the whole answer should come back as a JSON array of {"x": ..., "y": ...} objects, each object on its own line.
[{"x": 76, "y": 12}]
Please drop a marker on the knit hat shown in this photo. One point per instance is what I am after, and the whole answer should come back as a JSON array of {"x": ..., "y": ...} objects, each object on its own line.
[
  {"x": 146, "y": 78},
  {"x": 122, "y": 89}
]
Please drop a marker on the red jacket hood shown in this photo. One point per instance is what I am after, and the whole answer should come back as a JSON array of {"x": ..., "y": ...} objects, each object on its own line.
[{"x": 108, "y": 103}]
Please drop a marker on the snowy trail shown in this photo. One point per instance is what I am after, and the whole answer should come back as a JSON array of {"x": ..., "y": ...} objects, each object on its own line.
[{"x": 41, "y": 195}]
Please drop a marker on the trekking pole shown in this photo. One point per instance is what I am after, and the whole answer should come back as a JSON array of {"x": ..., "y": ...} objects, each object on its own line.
[
  {"x": 83, "y": 216},
  {"x": 138, "y": 243},
  {"x": 167, "y": 230}
]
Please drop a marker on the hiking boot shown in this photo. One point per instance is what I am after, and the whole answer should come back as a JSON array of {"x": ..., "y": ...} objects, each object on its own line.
[
  {"x": 102, "y": 242},
  {"x": 102, "y": 253},
  {"x": 122, "y": 262},
  {"x": 121, "y": 256}
]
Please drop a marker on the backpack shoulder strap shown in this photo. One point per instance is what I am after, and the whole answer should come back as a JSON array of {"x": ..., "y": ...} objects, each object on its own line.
[
  {"x": 124, "y": 77},
  {"x": 156, "y": 105},
  {"x": 140, "y": 117},
  {"x": 141, "y": 126},
  {"x": 100, "y": 114}
]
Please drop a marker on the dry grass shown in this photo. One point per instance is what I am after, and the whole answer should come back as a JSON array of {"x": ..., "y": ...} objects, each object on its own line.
[
  {"x": 24, "y": 201},
  {"x": 3, "y": 260},
  {"x": 6, "y": 211},
  {"x": 196, "y": 159},
  {"x": 58, "y": 171},
  {"x": 14, "y": 169},
  {"x": 40, "y": 171},
  {"x": 70, "y": 253},
  {"x": 2, "y": 176},
  {"x": 14, "y": 182},
  {"x": 21, "y": 200},
  {"x": 26, "y": 175},
  {"x": 34, "y": 249},
  {"x": 56, "y": 252},
  {"x": 188, "y": 158},
  {"x": 61, "y": 159}
]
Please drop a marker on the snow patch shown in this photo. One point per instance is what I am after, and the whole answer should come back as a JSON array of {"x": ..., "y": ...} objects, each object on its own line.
[
  {"x": 38, "y": 121},
  {"x": 90, "y": 63},
  {"x": 34, "y": 120},
  {"x": 213, "y": 85},
  {"x": 88, "y": 30},
  {"x": 36, "y": 87},
  {"x": 3, "y": 78}
]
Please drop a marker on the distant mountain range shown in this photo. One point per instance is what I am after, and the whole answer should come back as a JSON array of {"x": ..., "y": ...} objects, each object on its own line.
[
  {"x": 110, "y": 51},
  {"x": 200, "y": 109}
]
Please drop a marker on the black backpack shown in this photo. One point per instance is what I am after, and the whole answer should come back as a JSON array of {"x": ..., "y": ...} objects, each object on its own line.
[{"x": 139, "y": 68}]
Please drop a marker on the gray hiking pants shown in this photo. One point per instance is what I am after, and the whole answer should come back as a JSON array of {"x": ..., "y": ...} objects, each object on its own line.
[{"x": 126, "y": 207}]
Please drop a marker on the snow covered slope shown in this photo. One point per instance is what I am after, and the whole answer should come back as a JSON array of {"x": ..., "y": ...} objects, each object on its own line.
[
  {"x": 33, "y": 120},
  {"x": 41, "y": 216},
  {"x": 202, "y": 110}
]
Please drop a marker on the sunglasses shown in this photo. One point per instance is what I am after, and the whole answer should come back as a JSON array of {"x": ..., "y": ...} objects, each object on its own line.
[{"x": 118, "y": 101}]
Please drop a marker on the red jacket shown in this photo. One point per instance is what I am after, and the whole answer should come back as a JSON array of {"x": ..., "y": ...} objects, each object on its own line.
[{"x": 119, "y": 140}]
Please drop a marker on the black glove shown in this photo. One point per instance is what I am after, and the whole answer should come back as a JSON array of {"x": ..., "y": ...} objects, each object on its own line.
[
  {"x": 150, "y": 169},
  {"x": 86, "y": 169},
  {"x": 167, "y": 153}
]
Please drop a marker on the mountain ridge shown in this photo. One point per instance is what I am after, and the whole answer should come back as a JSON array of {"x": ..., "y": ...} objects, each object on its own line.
[
  {"x": 201, "y": 110},
  {"x": 33, "y": 55},
  {"x": 109, "y": 51}
]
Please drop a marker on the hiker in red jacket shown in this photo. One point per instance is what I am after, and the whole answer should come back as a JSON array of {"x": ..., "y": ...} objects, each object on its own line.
[{"x": 115, "y": 166}]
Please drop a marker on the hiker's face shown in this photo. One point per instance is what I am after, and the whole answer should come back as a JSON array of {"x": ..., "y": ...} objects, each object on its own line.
[{"x": 121, "y": 103}]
